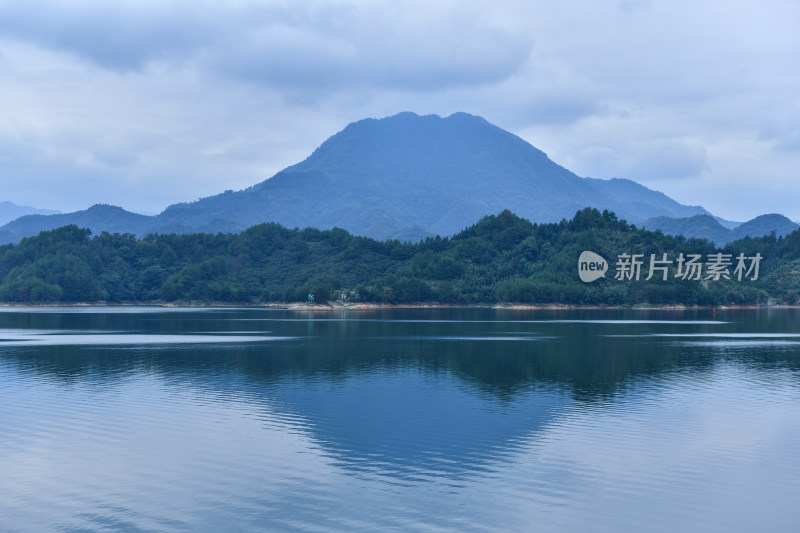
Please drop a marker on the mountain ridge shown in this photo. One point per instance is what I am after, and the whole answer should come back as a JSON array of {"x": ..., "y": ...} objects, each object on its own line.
[
  {"x": 707, "y": 227},
  {"x": 406, "y": 176},
  {"x": 10, "y": 211}
]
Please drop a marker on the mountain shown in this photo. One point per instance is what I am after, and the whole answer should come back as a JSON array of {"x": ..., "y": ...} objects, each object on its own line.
[
  {"x": 406, "y": 176},
  {"x": 636, "y": 202},
  {"x": 97, "y": 218},
  {"x": 10, "y": 211},
  {"x": 698, "y": 226},
  {"x": 765, "y": 225},
  {"x": 706, "y": 227},
  {"x": 380, "y": 177}
]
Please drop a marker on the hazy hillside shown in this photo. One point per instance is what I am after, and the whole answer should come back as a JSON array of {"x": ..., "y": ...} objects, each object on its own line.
[
  {"x": 706, "y": 227},
  {"x": 698, "y": 226},
  {"x": 637, "y": 202},
  {"x": 405, "y": 176},
  {"x": 765, "y": 225},
  {"x": 10, "y": 211},
  {"x": 97, "y": 218},
  {"x": 379, "y": 177}
]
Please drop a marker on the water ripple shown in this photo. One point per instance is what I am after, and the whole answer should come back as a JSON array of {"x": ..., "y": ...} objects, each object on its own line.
[
  {"x": 21, "y": 337},
  {"x": 362, "y": 432}
]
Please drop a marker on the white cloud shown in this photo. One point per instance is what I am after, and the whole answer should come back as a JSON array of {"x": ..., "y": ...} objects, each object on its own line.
[
  {"x": 324, "y": 45},
  {"x": 155, "y": 103}
]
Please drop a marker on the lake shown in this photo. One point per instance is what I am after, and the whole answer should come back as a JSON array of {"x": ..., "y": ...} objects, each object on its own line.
[{"x": 170, "y": 419}]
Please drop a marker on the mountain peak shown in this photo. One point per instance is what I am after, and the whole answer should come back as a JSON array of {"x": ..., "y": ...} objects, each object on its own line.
[
  {"x": 410, "y": 174},
  {"x": 105, "y": 208}
]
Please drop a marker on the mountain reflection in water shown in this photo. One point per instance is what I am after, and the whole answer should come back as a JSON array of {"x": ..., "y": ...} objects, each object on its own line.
[{"x": 424, "y": 404}]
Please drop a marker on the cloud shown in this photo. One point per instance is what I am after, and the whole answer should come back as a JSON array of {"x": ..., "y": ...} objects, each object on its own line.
[
  {"x": 789, "y": 141},
  {"x": 651, "y": 160},
  {"x": 633, "y": 5},
  {"x": 315, "y": 45},
  {"x": 113, "y": 35},
  {"x": 170, "y": 101},
  {"x": 373, "y": 48},
  {"x": 73, "y": 135}
]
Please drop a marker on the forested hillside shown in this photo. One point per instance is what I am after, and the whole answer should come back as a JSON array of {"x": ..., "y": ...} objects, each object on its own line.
[{"x": 502, "y": 258}]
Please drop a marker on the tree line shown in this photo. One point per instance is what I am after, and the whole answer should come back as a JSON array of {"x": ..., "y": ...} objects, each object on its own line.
[{"x": 502, "y": 258}]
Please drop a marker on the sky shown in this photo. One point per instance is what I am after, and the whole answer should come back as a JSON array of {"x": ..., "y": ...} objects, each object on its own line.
[{"x": 143, "y": 104}]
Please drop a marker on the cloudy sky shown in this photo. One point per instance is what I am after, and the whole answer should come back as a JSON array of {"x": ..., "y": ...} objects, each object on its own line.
[{"x": 143, "y": 104}]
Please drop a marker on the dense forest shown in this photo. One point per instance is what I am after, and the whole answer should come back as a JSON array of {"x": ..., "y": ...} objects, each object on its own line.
[{"x": 501, "y": 259}]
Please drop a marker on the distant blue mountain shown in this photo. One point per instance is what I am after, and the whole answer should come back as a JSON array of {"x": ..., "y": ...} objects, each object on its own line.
[
  {"x": 405, "y": 176},
  {"x": 706, "y": 227},
  {"x": 97, "y": 218},
  {"x": 765, "y": 225},
  {"x": 10, "y": 211},
  {"x": 385, "y": 177}
]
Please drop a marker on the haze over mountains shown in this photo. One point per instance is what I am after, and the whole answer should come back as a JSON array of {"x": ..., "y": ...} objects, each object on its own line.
[
  {"x": 10, "y": 211},
  {"x": 705, "y": 226},
  {"x": 405, "y": 176}
]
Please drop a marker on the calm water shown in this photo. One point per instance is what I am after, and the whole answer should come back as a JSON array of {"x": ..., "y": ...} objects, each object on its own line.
[{"x": 150, "y": 419}]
